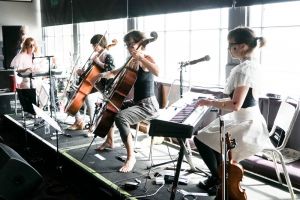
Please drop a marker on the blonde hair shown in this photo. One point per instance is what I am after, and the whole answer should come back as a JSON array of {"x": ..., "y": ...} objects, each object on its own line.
[{"x": 27, "y": 44}]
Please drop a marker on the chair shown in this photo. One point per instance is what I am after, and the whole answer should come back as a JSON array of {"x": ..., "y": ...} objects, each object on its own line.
[{"x": 279, "y": 135}]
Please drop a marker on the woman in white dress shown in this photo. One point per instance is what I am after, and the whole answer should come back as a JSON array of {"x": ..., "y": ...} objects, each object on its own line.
[
  {"x": 245, "y": 123},
  {"x": 24, "y": 63}
]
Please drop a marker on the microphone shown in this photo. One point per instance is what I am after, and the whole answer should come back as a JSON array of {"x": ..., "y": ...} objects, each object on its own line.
[{"x": 205, "y": 58}]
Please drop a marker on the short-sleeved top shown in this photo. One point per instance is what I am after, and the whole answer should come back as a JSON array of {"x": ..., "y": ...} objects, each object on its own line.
[{"x": 245, "y": 74}]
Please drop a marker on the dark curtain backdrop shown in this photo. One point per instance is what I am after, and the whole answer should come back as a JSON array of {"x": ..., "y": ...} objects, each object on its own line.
[
  {"x": 57, "y": 12},
  {"x": 150, "y": 7},
  {"x": 255, "y": 2}
]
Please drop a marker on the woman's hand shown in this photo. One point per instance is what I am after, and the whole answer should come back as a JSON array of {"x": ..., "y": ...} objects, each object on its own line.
[
  {"x": 205, "y": 102},
  {"x": 98, "y": 62},
  {"x": 28, "y": 69},
  {"x": 79, "y": 72},
  {"x": 137, "y": 55}
]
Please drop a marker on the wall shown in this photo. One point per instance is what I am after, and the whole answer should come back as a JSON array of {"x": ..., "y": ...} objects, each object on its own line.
[{"x": 21, "y": 13}]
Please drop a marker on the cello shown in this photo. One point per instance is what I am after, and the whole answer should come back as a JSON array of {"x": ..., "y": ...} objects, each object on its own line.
[
  {"x": 120, "y": 88},
  {"x": 86, "y": 85},
  {"x": 231, "y": 173}
]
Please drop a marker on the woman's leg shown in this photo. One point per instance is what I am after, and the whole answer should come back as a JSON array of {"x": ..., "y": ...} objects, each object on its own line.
[
  {"x": 212, "y": 160},
  {"x": 210, "y": 157},
  {"x": 109, "y": 141},
  {"x": 130, "y": 116},
  {"x": 78, "y": 124}
]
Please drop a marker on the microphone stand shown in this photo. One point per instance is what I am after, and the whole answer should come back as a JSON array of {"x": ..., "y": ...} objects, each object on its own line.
[
  {"x": 52, "y": 104},
  {"x": 50, "y": 86},
  {"x": 182, "y": 65}
]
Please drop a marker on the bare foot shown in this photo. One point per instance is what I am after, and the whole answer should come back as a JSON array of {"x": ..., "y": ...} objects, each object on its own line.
[
  {"x": 105, "y": 145},
  {"x": 128, "y": 165}
]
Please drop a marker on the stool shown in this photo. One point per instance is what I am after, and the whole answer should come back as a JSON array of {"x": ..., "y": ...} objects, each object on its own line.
[{"x": 146, "y": 126}]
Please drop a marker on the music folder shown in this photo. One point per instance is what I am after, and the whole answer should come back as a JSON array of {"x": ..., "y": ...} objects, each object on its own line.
[{"x": 39, "y": 112}]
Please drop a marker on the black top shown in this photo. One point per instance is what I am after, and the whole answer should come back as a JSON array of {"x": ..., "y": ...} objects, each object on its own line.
[
  {"x": 144, "y": 85},
  {"x": 103, "y": 83},
  {"x": 249, "y": 100}
]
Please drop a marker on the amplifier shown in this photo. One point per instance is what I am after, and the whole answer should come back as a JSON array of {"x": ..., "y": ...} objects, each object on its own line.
[{"x": 7, "y": 103}]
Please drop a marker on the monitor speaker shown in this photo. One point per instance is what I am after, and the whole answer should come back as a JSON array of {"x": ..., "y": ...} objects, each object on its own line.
[
  {"x": 11, "y": 37},
  {"x": 17, "y": 177}
]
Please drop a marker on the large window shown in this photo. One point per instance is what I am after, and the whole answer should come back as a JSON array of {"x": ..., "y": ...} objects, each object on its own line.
[
  {"x": 187, "y": 36},
  {"x": 112, "y": 29},
  {"x": 59, "y": 42},
  {"x": 280, "y": 25},
  {"x": 70, "y": 44},
  {"x": 181, "y": 37}
]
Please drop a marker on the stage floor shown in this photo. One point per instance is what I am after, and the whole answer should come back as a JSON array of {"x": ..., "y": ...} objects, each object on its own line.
[{"x": 103, "y": 166}]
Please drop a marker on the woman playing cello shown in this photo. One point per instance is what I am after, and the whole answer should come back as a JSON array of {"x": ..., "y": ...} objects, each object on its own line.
[
  {"x": 144, "y": 105},
  {"x": 102, "y": 59}
]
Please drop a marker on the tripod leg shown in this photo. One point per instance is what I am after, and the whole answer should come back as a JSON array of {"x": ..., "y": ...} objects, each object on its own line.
[{"x": 188, "y": 155}]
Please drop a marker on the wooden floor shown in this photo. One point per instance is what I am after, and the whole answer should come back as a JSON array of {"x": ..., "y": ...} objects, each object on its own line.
[{"x": 103, "y": 166}]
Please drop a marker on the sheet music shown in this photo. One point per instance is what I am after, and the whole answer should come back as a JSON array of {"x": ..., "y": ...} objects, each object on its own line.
[{"x": 39, "y": 112}]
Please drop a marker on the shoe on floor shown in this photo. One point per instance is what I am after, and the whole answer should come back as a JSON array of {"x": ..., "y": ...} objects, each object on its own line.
[
  {"x": 76, "y": 126},
  {"x": 208, "y": 183},
  {"x": 212, "y": 191}
]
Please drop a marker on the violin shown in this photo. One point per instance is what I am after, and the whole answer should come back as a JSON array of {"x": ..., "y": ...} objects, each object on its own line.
[
  {"x": 86, "y": 85},
  {"x": 232, "y": 178}
]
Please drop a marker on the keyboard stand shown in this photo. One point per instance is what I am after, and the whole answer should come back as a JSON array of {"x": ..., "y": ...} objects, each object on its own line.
[
  {"x": 178, "y": 168},
  {"x": 186, "y": 148}
]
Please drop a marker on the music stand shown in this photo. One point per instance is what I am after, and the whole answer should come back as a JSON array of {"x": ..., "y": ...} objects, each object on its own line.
[
  {"x": 39, "y": 112},
  {"x": 27, "y": 98}
]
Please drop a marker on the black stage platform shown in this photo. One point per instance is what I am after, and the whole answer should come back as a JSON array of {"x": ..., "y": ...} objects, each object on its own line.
[
  {"x": 96, "y": 174},
  {"x": 72, "y": 176}
]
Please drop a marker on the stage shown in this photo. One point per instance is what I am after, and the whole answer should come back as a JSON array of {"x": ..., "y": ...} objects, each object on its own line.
[{"x": 94, "y": 173}]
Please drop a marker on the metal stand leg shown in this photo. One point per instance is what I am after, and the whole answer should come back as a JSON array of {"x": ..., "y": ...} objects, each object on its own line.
[
  {"x": 187, "y": 153},
  {"x": 178, "y": 168}
]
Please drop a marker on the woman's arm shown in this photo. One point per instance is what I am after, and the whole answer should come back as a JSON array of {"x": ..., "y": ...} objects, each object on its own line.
[
  {"x": 147, "y": 62},
  {"x": 233, "y": 104},
  {"x": 109, "y": 74},
  {"x": 150, "y": 64}
]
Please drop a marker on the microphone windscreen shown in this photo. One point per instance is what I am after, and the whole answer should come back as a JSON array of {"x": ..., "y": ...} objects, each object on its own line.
[{"x": 207, "y": 57}]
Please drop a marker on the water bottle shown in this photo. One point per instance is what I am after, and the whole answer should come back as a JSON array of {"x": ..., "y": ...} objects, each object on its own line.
[{"x": 47, "y": 128}]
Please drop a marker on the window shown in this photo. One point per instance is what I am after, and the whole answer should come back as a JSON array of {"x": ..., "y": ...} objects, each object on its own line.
[
  {"x": 113, "y": 29},
  {"x": 280, "y": 25},
  {"x": 59, "y": 42},
  {"x": 188, "y": 36}
]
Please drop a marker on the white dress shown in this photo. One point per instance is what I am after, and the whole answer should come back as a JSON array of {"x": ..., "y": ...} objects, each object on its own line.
[
  {"x": 247, "y": 126},
  {"x": 22, "y": 61}
]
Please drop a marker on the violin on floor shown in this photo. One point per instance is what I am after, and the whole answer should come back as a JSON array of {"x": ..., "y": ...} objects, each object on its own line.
[{"x": 230, "y": 188}]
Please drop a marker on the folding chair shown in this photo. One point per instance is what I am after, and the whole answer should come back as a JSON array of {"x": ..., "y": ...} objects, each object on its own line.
[{"x": 279, "y": 135}]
